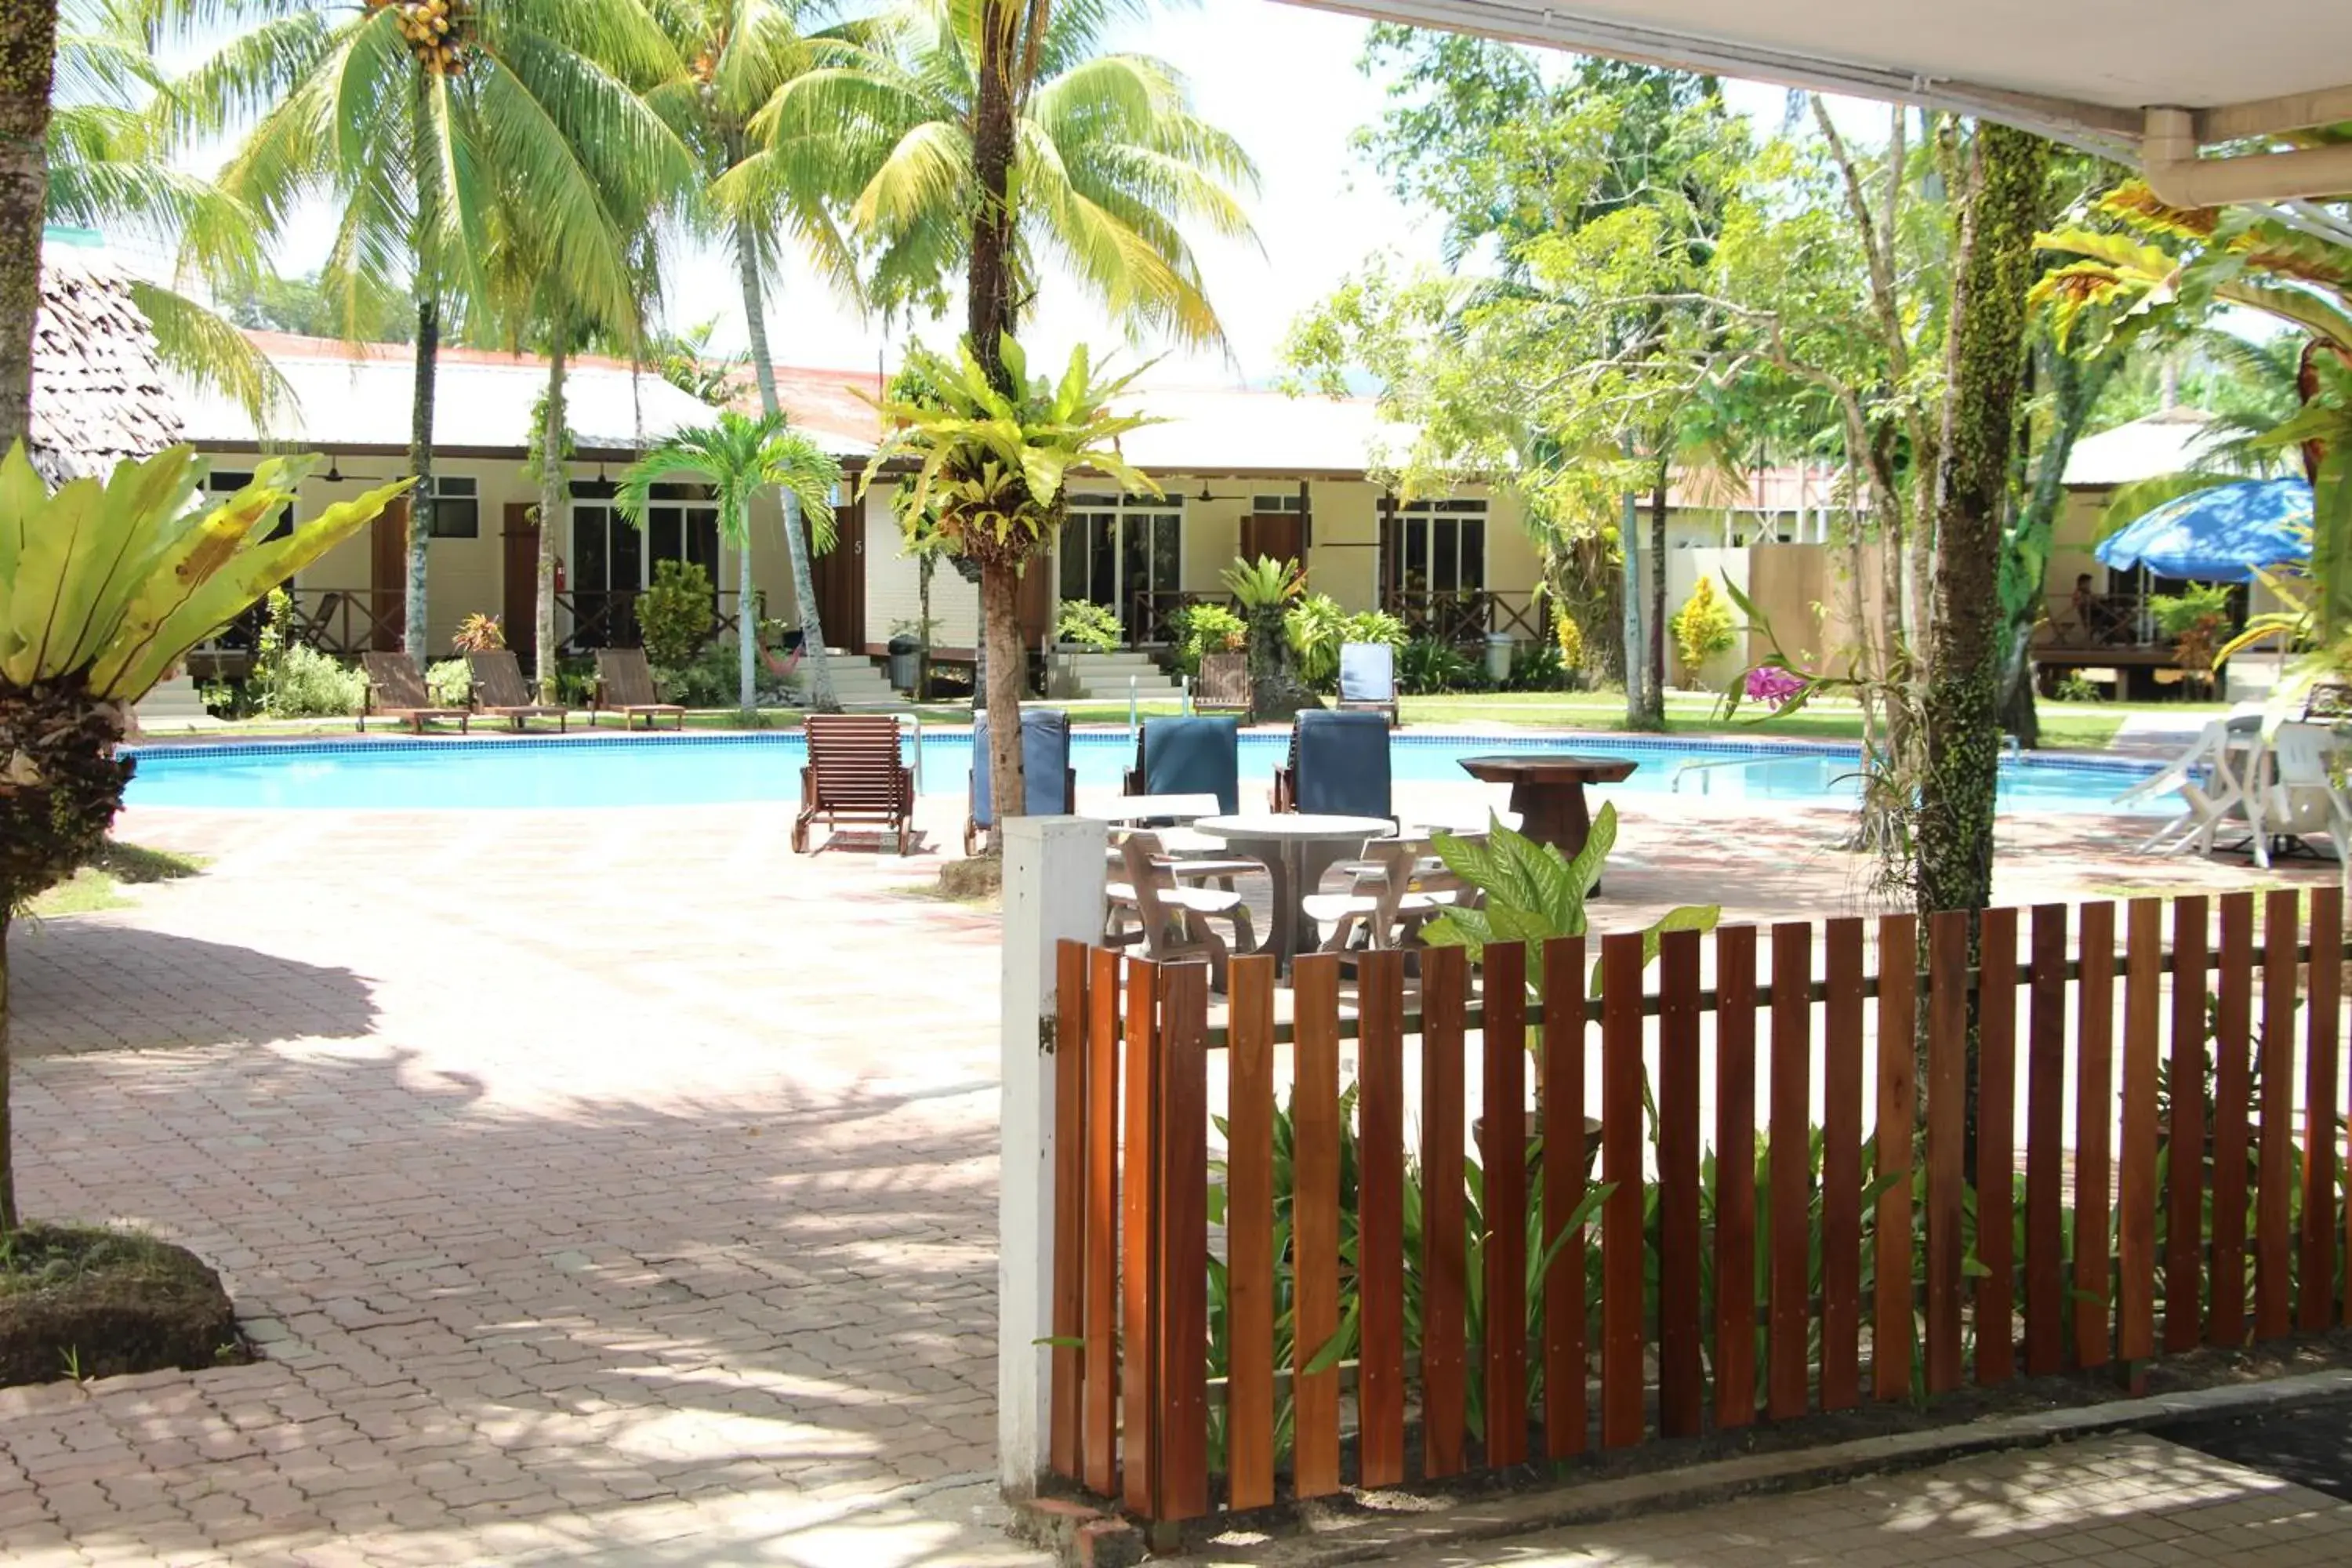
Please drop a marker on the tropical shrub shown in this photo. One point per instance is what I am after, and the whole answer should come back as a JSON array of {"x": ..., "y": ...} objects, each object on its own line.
[
  {"x": 478, "y": 633},
  {"x": 1537, "y": 666},
  {"x": 1206, "y": 630},
  {"x": 1703, "y": 627},
  {"x": 449, "y": 682},
  {"x": 707, "y": 679},
  {"x": 2077, "y": 687},
  {"x": 674, "y": 615},
  {"x": 1429, "y": 665},
  {"x": 2194, "y": 620},
  {"x": 1265, "y": 588},
  {"x": 1313, "y": 627},
  {"x": 1088, "y": 624},
  {"x": 291, "y": 679}
]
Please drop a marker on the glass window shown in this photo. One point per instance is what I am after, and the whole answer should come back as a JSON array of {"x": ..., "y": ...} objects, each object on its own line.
[
  {"x": 1123, "y": 553},
  {"x": 456, "y": 506},
  {"x": 1438, "y": 547}
]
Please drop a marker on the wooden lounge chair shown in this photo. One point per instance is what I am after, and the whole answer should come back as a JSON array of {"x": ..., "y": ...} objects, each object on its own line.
[
  {"x": 854, "y": 775},
  {"x": 499, "y": 693},
  {"x": 395, "y": 690},
  {"x": 625, "y": 682},
  {"x": 1175, "y": 920},
  {"x": 1222, "y": 685}
]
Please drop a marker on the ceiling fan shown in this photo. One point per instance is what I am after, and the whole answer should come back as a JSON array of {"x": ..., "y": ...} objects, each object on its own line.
[
  {"x": 1205, "y": 496},
  {"x": 335, "y": 475}
]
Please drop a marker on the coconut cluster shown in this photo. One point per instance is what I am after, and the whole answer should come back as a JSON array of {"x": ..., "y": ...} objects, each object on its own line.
[{"x": 437, "y": 31}]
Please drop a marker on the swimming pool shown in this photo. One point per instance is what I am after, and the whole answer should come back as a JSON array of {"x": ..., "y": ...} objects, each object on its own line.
[{"x": 702, "y": 770}]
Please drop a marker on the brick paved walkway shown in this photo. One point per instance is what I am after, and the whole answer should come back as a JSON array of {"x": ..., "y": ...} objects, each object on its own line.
[
  {"x": 596, "y": 1184},
  {"x": 2120, "y": 1503}
]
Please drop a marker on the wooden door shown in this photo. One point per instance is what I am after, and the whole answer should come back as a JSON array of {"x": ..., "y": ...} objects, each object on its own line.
[
  {"x": 522, "y": 600},
  {"x": 388, "y": 576},
  {"x": 1282, "y": 535},
  {"x": 840, "y": 581}
]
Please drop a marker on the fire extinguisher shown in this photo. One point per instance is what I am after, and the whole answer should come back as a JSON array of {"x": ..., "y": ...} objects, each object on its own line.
[{"x": 558, "y": 574}]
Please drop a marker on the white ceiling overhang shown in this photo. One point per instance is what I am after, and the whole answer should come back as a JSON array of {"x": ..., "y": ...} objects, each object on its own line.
[{"x": 2150, "y": 81}]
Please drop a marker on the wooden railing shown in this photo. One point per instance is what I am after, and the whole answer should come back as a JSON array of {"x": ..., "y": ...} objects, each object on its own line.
[
  {"x": 1219, "y": 1326},
  {"x": 1466, "y": 615}
]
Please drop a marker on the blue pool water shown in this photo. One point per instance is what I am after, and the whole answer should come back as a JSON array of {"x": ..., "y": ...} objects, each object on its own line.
[{"x": 695, "y": 770}]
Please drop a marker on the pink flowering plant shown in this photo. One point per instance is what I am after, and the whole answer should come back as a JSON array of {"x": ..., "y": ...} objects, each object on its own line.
[{"x": 1775, "y": 685}]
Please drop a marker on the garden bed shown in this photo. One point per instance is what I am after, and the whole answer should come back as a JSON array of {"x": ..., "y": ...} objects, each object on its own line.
[{"x": 82, "y": 1303}]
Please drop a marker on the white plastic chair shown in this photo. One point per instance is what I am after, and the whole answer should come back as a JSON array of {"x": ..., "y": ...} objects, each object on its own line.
[
  {"x": 2304, "y": 802},
  {"x": 2215, "y": 777}
]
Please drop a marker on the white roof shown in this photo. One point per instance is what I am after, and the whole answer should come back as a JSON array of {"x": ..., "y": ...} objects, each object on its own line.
[
  {"x": 358, "y": 396},
  {"x": 2166, "y": 442},
  {"x": 1231, "y": 432},
  {"x": 2088, "y": 65}
]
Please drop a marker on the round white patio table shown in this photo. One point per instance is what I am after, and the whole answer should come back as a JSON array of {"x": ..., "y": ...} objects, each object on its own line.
[{"x": 1296, "y": 848}]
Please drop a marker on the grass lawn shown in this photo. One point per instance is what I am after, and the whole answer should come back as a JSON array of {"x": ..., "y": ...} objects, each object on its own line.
[
  {"x": 98, "y": 885},
  {"x": 2065, "y": 726}
]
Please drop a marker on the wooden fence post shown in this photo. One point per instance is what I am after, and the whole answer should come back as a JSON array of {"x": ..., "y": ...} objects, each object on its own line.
[{"x": 1054, "y": 875}]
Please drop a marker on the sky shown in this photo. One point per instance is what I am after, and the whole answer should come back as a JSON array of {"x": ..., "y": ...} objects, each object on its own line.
[{"x": 1284, "y": 81}]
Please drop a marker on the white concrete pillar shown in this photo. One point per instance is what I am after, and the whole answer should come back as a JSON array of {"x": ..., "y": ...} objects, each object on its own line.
[{"x": 1053, "y": 875}]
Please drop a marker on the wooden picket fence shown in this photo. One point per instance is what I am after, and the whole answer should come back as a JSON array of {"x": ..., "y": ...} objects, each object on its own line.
[{"x": 1198, "y": 1366}]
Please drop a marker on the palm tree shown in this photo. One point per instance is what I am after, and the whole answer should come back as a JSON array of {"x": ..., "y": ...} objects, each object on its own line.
[
  {"x": 1108, "y": 166},
  {"x": 990, "y": 483},
  {"x": 28, "y": 48},
  {"x": 736, "y": 56},
  {"x": 421, "y": 118},
  {"x": 990, "y": 135},
  {"x": 108, "y": 171},
  {"x": 740, "y": 457}
]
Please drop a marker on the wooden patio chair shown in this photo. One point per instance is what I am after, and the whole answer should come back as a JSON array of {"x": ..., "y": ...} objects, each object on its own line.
[
  {"x": 854, "y": 775},
  {"x": 625, "y": 682},
  {"x": 1175, "y": 919},
  {"x": 1397, "y": 892},
  {"x": 395, "y": 690},
  {"x": 1224, "y": 684},
  {"x": 500, "y": 692}
]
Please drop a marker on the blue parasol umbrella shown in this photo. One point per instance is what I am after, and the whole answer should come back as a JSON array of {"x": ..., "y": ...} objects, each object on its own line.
[{"x": 2218, "y": 535}]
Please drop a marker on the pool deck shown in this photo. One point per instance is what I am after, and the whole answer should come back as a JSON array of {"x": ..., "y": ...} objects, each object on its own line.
[{"x": 607, "y": 1185}]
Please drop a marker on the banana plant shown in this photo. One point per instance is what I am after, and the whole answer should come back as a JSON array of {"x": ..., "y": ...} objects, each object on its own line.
[{"x": 104, "y": 586}]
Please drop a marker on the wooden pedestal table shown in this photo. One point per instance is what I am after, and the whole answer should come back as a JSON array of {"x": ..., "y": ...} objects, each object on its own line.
[
  {"x": 1296, "y": 848},
  {"x": 1547, "y": 792}
]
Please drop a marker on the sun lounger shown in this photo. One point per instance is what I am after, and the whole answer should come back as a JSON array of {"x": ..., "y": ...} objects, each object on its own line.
[
  {"x": 1338, "y": 766},
  {"x": 1368, "y": 679},
  {"x": 854, "y": 774},
  {"x": 499, "y": 693},
  {"x": 624, "y": 682},
  {"x": 395, "y": 690},
  {"x": 1050, "y": 783},
  {"x": 1224, "y": 684}
]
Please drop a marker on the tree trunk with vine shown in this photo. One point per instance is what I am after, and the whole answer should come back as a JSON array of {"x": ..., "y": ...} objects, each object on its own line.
[
  {"x": 2075, "y": 386},
  {"x": 28, "y": 48},
  {"x": 416, "y": 628},
  {"x": 8, "y": 1217},
  {"x": 552, "y": 487},
  {"x": 1654, "y": 689},
  {"x": 1960, "y": 711}
]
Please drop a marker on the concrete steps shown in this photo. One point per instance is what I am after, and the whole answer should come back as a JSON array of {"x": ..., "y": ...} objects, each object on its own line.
[
  {"x": 859, "y": 683},
  {"x": 174, "y": 705},
  {"x": 1104, "y": 676}
]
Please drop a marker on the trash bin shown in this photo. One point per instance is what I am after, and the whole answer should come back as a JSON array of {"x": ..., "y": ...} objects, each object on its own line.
[
  {"x": 905, "y": 652},
  {"x": 1498, "y": 657}
]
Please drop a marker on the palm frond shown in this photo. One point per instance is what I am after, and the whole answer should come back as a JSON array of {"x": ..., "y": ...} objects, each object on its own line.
[{"x": 212, "y": 352}]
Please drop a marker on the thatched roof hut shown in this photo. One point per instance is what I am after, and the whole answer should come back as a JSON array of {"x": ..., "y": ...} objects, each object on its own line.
[{"x": 98, "y": 392}]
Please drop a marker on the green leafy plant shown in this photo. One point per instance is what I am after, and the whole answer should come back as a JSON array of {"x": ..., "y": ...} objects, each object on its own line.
[
  {"x": 1428, "y": 665},
  {"x": 675, "y": 614},
  {"x": 1314, "y": 625},
  {"x": 2077, "y": 687},
  {"x": 707, "y": 679},
  {"x": 1264, "y": 583},
  {"x": 1088, "y": 624},
  {"x": 1537, "y": 666},
  {"x": 451, "y": 682},
  {"x": 1703, "y": 627},
  {"x": 1206, "y": 630},
  {"x": 290, "y": 679}
]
